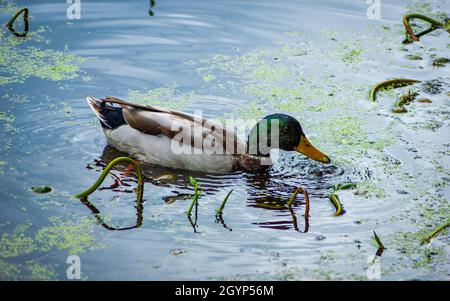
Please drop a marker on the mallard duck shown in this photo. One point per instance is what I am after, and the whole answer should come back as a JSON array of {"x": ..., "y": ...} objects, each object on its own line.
[{"x": 148, "y": 134}]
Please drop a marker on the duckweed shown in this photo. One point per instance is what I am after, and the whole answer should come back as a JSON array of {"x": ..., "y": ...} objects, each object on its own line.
[
  {"x": 2, "y": 164},
  {"x": 351, "y": 54},
  {"x": 39, "y": 271},
  {"x": 75, "y": 237},
  {"x": 408, "y": 245},
  {"x": 440, "y": 62},
  {"x": 16, "y": 243},
  {"x": 8, "y": 7},
  {"x": 8, "y": 120},
  {"x": 168, "y": 96},
  {"x": 20, "y": 60},
  {"x": 370, "y": 189}
]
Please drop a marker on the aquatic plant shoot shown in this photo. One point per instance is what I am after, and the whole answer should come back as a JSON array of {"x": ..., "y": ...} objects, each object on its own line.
[{"x": 225, "y": 141}]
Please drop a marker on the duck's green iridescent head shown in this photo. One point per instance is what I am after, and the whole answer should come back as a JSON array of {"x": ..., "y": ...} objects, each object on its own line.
[{"x": 289, "y": 137}]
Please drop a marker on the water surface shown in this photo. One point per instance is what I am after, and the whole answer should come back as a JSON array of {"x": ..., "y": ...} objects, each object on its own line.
[{"x": 315, "y": 60}]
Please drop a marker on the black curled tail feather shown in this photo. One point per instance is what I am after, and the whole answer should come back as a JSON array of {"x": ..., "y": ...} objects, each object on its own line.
[{"x": 110, "y": 117}]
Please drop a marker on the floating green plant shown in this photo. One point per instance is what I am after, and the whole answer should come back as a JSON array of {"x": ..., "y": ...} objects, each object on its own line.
[
  {"x": 28, "y": 270},
  {"x": 8, "y": 119},
  {"x": 41, "y": 189},
  {"x": 2, "y": 164},
  {"x": 75, "y": 236},
  {"x": 19, "y": 60},
  {"x": 196, "y": 196},
  {"x": 222, "y": 206},
  {"x": 337, "y": 187},
  {"x": 8, "y": 7},
  {"x": 16, "y": 243},
  {"x": 163, "y": 96},
  {"x": 72, "y": 235},
  {"x": 389, "y": 84},
  {"x": 440, "y": 61},
  {"x": 424, "y": 100},
  {"x": 352, "y": 55},
  {"x": 399, "y": 106},
  {"x": 414, "y": 57}
]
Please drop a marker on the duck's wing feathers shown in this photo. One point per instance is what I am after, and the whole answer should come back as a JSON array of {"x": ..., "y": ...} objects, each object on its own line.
[{"x": 154, "y": 120}]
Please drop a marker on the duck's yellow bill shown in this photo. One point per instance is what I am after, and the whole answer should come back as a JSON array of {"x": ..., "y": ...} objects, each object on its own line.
[{"x": 306, "y": 148}]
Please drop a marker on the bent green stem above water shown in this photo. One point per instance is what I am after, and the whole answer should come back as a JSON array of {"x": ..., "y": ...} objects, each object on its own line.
[
  {"x": 380, "y": 245},
  {"x": 196, "y": 195},
  {"x": 434, "y": 233},
  {"x": 335, "y": 199},
  {"x": 409, "y": 31},
  {"x": 378, "y": 241},
  {"x": 337, "y": 204},
  {"x": 291, "y": 200},
  {"x": 344, "y": 186},
  {"x": 392, "y": 83},
  {"x": 101, "y": 178},
  {"x": 222, "y": 206}
]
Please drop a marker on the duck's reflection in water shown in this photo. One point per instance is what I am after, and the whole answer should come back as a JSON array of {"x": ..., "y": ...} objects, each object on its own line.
[{"x": 270, "y": 190}]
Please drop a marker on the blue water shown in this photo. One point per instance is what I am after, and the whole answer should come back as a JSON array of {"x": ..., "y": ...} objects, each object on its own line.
[{"x": 130, "y": 50}]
